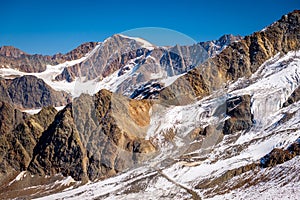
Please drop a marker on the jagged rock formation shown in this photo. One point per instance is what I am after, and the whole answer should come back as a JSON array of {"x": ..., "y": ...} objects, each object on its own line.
[
  {"x": 109, "y": 57},
  {"x": 94, "y": 138},
  {"x": 10, "y": 117},
  {"x": 10, "y": 51},
  {"x": 76, "y": 53},
  {"x": 148, "y": 65},
  {"x": 4, "y": 91},
  {"x": 31, "y": 92},
  {"x": 214, "y": 47},
  {"x": 17, "y": 59},
  {"x": 239, "y": 59},
  {"x": 19, "y": 135}
]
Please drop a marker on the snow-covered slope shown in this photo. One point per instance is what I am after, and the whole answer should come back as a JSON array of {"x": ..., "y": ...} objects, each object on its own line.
[{"x": 222, "y": 166}]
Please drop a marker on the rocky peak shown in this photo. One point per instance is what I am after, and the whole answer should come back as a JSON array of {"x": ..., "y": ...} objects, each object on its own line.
[
  {"x": 214, "y": 47},
  {"x": 94, "y": 137},
  {"x": 76, "y": 53},
  {"x": 9, "y": 117},
  {"x": 10, "y": 51}
]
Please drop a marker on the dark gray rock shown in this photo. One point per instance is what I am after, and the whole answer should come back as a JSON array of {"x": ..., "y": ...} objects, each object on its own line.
[
  {"x": 239, "y": 110},
  {"x": 295, "y": 96},
  {"x": 32, "y": 92}
]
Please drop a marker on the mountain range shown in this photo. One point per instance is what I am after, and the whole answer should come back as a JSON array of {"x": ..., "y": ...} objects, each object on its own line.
[{"x": 124, "y": 119}]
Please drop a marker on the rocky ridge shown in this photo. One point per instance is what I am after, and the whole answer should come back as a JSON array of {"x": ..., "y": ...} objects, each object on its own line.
[
  {"x": 239, "y": 59},
  {"x": 17, "y": 59}
]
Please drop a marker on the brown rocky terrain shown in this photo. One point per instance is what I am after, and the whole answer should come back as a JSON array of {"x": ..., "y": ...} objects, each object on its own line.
[
  {"x": 17, "y": 59},
  {"x": 94, "y": 138},
  {"x": 112, "y": 54},
  {"x": 19, "y": 135},
  {"x": 239, "y": 110},
  {"x": 149, "y": 64},
  {"x": 278, "y": 156},
  {"x": 91, "y": 138}
]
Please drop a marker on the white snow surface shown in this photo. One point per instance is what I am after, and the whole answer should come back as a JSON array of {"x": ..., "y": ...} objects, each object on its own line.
[
  {"x": 269, "y": 88},
  {"x": 35, "y": 111},
  {"x": 145, "y": 43},
  {"x": 283, "y": 183}
]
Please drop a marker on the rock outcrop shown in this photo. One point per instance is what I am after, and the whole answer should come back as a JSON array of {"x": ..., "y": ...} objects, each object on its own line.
[
  {"x": 149, "y": 65},
  {"x": 239, "y": 110},
  {"x": 278, "y": 156},
  {"x": 94, "y": 138},
  {"x": 214, "y": 47},
  {"x": 295, "y": 96}
]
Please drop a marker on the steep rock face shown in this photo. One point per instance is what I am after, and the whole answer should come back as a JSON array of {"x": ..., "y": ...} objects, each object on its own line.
[
  {"x": 32, "y": 92},
  {"x": 239, "y": 110},
  {"x": 9, "y": 117},
  {"x": 94, "y": 137},
  {"x": 19, "y": 136},
  {"x": 25, "y": 62},
  {"x": 117, "y": 50},
  {"x": 240, "y": 59},
  {"x": 17, "y": 59},
  {"x": 109, "y": 57},
  {"x": 76, "y": 53},
  {"x": 4, "y": 91},
  {"x": 59, "y": 149}
]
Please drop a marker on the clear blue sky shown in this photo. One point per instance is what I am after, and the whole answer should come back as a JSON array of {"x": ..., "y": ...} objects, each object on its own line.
[{"x": 54, "y": 26}]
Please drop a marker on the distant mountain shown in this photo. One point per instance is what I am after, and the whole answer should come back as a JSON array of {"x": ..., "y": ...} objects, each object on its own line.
[
  {"x": 129, "y": 65},
  {"x": 11, "y": 57},
  {"x": 214, "y": 47},
  {"x": 125, "y": 65}
]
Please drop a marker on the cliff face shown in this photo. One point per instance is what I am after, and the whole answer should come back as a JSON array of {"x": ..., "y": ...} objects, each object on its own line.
[
  {"x": 239, "y": 59},
  {"x": 19, "y": 134},
  {"x": 295, "y": 96},
  {"x": 91, "y": 138},
  {"x": 94, "y": 138},
  {"x": 31, "y": 92}
]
